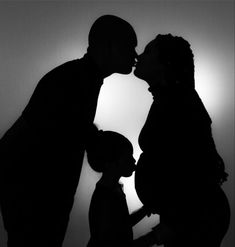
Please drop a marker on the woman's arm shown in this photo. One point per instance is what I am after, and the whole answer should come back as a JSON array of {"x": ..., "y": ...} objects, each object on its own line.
[{"x": 158, "y": 236}]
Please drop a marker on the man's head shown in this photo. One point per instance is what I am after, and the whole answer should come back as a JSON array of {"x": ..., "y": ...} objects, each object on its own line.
[{"x": 112, "y": 43}]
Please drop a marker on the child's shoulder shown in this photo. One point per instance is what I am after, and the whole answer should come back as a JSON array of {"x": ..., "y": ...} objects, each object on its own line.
[{"x": 108, "y": 190}]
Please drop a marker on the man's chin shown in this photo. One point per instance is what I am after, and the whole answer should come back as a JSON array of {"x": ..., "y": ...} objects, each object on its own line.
[
  {"x": 127, "y": 175},
  {"x": 125, "y": 71},
  {"x": 137, "y": 74}
]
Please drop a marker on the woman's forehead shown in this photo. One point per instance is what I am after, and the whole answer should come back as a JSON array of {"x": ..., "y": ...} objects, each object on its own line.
[{"x": 151, "y": 45}]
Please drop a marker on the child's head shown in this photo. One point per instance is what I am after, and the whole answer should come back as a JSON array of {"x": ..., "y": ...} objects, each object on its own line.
[{"x": 111, "y": 149}]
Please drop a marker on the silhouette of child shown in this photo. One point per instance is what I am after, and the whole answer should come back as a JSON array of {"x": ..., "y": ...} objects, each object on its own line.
[{"x": 109, "y": 219}]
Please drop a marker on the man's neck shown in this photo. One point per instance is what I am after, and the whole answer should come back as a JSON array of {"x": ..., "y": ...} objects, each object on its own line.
[
  {"x": 110, "y": 180},
  {"x": 101, "y": 64}
]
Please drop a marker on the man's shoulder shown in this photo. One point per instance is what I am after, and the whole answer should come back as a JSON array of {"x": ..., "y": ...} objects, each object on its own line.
[{"x": 67, "y": 69}]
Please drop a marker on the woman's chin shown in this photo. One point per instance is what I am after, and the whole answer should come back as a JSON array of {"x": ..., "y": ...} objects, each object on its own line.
[{"x": 127, "y": 174}]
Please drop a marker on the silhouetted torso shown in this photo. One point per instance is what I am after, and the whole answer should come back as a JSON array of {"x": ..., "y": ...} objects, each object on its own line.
[
  {"x": 109, "y": 208},
  {"x": 42, "y": 153},
  {"x": 54, "y": 124},
  {"x": 175, "y": 172}
]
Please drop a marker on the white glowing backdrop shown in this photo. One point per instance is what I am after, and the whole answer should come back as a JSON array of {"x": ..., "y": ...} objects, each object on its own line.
[{"x": 36, "y": 36}]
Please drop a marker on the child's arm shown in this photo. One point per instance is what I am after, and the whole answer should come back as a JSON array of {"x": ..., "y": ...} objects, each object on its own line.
[
  {"x": 146, "y": 240},
  {"x": 158, "y": 236},
  {"x": 138, "y": 215}
]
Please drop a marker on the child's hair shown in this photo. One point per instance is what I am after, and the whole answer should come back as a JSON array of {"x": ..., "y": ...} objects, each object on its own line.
[{"x": 106, "y": 146}]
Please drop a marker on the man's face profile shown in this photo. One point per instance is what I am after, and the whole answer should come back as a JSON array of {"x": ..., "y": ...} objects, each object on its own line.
[{"x": 123, "y": 55}]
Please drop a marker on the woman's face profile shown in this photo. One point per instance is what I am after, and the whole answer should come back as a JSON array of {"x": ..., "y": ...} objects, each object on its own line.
[{"x": 150, "y": 67}]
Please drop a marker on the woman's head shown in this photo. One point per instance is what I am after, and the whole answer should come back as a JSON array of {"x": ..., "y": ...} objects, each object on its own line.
[
  {"x": 166, "y": 61},
  {"x": 109, "y": 149}
]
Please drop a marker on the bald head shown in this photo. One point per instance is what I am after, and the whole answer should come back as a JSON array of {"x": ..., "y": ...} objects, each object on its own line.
[
  {"x": 112, "y": 43},
  {"x": 108, "y": 28}
]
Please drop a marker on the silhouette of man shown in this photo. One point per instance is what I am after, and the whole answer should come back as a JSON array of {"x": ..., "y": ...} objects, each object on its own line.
[{"x": 42, "y": 153}]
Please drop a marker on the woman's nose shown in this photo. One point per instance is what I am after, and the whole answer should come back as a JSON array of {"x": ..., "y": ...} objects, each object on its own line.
[
  {"x": 134, "y": 163},
  {"x": 139, "y": 57}
]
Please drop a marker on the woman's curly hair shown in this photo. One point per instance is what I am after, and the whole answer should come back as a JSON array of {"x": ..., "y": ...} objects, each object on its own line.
[{"x": 176, "y": 53}]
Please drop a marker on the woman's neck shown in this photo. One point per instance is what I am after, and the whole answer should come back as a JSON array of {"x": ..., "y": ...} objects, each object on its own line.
[{"x": 169, "y": 92}]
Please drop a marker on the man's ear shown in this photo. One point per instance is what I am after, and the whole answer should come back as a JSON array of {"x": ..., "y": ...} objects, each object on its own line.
[
  {"x": 103, "y": 51},
  {"x": 109, "y": 54},
  {"x": 110, "y": 49},
  {"x": 115, "y": 47}
]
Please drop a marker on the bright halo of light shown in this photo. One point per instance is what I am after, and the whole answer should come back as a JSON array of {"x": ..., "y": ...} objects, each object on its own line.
[
  {"x": 210, "y": 80},
  {"x": 123, "y": 106}
]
